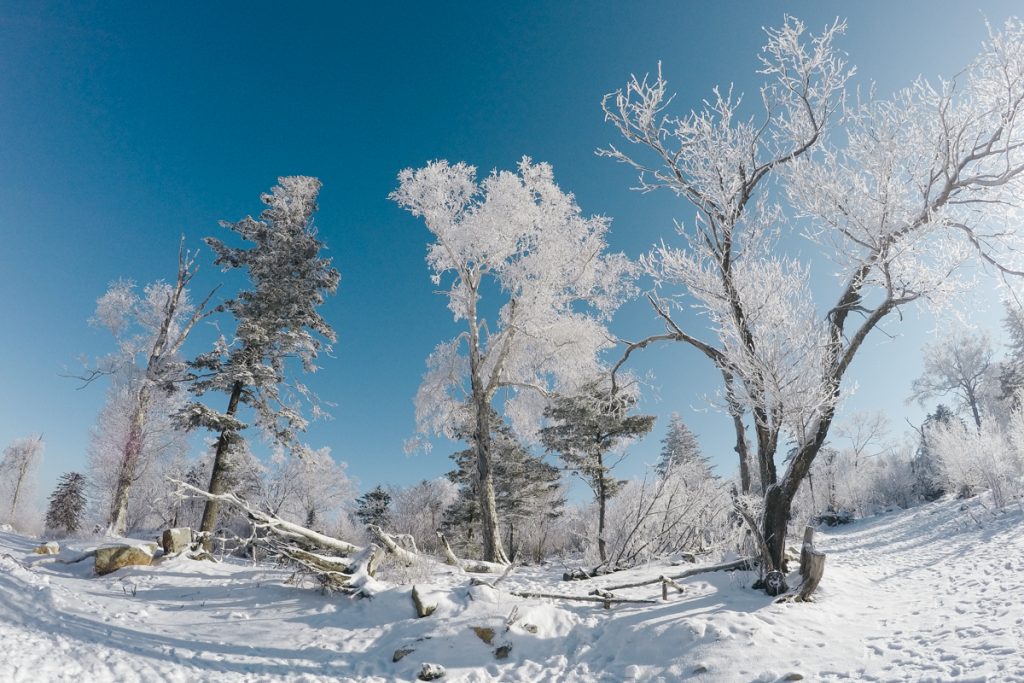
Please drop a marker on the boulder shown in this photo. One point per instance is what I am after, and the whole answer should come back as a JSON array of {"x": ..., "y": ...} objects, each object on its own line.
[
  {"x": 483, "y": 633},
  {"x": 114, "y": 557},
  {"x": 51, "y": 548},
  {"x": 431, "y": 672},
  {"x": 401, "y": 653},
  {"x": 177, "y": 540}
]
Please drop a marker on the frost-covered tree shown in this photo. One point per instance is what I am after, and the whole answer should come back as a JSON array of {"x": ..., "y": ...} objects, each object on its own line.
[
  {"x": 520, "y": 238},
  {"x": 124, "y": 494},
  {"x": 960, "y": 363},
  {"x": 17, "y": 478},
  {"x": 526, "y": 488},
  {"x": 679, "y": 448},
  {"x": 308, "y": 488},
  {"x": 374, "y": 507},
  {"x": 589, "y": 431},
  {"x": 905, "y": 193},
  {"x": 418, "y": 510},
  {"x": 276, "y": 320},
  {"x": 149, "y": 328},
  {"x": 1011, "y": 371},
  {"x": 67, "y": 503}
]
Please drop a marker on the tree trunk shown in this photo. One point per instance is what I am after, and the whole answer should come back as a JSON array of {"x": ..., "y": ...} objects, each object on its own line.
[
  {"x": 220, "y": 466},
  {"x": 132, "y": 454},
  {"x": 491, "y": 534},
  {"x": 601, "y": 501},
  {"x": 736, "y": 413},
  {"x": 776, "y": 521}
]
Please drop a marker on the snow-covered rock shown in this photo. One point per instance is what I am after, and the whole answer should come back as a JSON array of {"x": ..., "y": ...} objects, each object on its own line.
[
  {"x": 111, "y": 558},
  {"x": 176, "y": 540}
]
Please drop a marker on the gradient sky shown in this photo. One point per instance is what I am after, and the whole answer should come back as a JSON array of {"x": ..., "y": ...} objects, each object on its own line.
[{"x": 125, "y": 125}]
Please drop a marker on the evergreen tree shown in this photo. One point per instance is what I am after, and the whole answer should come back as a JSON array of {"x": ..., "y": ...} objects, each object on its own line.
[
  {"x": 374, "y": 507},
  {"x": 276, "y": 319},
  {"x": 67, "y": 502},
  {"x": 585, "y": 430},
  {"x": 1011, "y": 375},
  {"x": 681, "y": 452},
  {"x": 927, "y": 478},
  {"x": 521, "y": 482}
]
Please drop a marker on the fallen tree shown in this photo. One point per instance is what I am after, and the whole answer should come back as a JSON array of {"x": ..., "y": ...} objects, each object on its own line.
[{"x": 335, "y": 564}]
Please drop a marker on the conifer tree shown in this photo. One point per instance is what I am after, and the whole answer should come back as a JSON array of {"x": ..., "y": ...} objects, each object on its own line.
[
  {"x": 67, "y": 502},
  {"x": 680, "y": 451},
  {"x": 586, "y": 430},
  {"x": 521, "y": 482},
  {"x": 276, "y": 318},
  {"x": 373, "y": 507}
]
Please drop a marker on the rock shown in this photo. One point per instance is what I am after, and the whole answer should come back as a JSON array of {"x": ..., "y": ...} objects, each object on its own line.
[
  {"x": 700, "y": 669},
  {"x": 793, "y": 677},
  {"x": 503, "y": 651},
  {"x": 51, "y": 548},
  {"x": 401, "y": 653},
  {"x": 484, "y": 634},
  {"x": 112, "y": 558},
  {"x": 530, "y": 628},
  {"x": 431, "y": 672},
  {"x": 575, "y": 575},
  {"x": 423, "y": 609},
  {"x": 176, "y": 540},
  {"x": 775, "y": 583}
]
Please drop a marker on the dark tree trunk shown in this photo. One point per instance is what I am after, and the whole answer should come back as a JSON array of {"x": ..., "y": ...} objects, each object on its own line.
[
  {"x": 602, "y": 495},
  {"x": 776, "y": 521},
  {"x": 220, "y": 466}
]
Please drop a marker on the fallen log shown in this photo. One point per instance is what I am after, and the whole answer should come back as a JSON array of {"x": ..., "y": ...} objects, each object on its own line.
[
  {"x": 337, "y": 565},
  {"x": 471, "y": 566},
  {"x": 606, "y": 601},
  {"x": 744, "y": 563}
]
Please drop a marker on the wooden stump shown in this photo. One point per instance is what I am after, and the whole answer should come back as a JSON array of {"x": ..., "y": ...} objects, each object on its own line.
[
  {"x": 808, "y": 546},
  {"x": 812, "y": 569}
]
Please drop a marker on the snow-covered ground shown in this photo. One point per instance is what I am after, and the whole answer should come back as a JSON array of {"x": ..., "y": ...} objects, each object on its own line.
[{"x": 935, "y": 593}]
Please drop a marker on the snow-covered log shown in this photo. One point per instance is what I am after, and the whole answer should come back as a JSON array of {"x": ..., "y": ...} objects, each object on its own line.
[
  {"x": 744, "y": 563},
  {"x": 337, "y": 565},
  {"x": 474, "y": 567}
]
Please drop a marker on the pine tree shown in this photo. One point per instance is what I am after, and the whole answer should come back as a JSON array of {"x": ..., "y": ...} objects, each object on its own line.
[
  {"x": 276, "y": 319},
  {"x": 521, "y": 482},
  {"x": 374, "y": 507},
  {"x": 67, "y": 502},
  {"x": 585, "y": 430},
  {"x": 927, "y": 478},
  {"x": 1011, "y": 376},
  {"x": 681, "y": 452}
]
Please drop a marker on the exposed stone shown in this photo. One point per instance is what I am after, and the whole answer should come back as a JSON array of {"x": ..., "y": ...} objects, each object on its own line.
[
  {"x": 793, "y": 677},
  {"x": 423, "y": 609},
  {"x": 431, "y": 672},
  {"x": 112, "y": 558},
  {"x": 401, "y": 653},
  {"x": 503, "y": 651},
  {"x": 530, "y": 628},
  {"x": 51, "y": 548},
  {"x": 483, "y": 633},
  {"x": 700, "y": 669},
  {"x": 176, "y": 540}
]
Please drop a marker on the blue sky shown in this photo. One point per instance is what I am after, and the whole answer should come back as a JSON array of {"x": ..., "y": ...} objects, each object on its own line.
[{"x": 125, "y": 125}]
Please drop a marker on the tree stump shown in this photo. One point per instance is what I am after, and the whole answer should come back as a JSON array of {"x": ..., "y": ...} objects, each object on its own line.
[
  {"x": 812, "y": 569},
  {"x": 807, "y": 547}
]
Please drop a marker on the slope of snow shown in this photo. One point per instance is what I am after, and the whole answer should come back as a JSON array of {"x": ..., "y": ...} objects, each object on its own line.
[{"x": 930, "y": 594}]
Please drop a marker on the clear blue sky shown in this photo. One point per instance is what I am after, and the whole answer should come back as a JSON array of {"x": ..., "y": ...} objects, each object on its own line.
[{"x": 123, "y": 125}]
